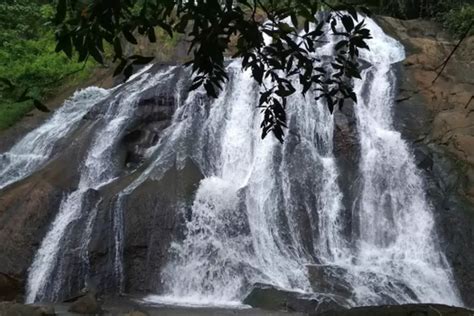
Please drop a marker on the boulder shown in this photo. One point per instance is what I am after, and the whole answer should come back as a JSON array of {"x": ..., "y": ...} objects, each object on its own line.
[
  {"x": 272, "y": 298},
  {"x": 47, "y": 310},
  {"x": 16, "y": 309},
  {"x": 329, "y": 279},
  {"x": 401, "y": 310},
  {"x": 86, "y": 304},
  {"x": 339, "y": 281}
]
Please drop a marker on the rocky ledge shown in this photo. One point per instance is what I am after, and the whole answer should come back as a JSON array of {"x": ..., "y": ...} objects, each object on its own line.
[
  {"x": 128, "y": 307},
  {"x": 271, "y": 298}
]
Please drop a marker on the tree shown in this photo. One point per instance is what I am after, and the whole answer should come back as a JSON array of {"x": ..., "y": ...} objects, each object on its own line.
[{"x": 281, "y": 64}]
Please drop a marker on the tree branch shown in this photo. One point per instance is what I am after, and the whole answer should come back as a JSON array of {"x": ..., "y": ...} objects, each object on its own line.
[{"x": 445, "y": 63}]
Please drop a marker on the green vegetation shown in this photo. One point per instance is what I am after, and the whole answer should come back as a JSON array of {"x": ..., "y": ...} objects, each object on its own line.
[
  {"x": 459, "y": 19},
  {"x": 456, "y": 16},
  {"x": 28, "y": 60}
]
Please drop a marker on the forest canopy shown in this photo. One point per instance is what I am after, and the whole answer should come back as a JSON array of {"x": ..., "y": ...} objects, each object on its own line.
[{"x": 30, "y": 70}]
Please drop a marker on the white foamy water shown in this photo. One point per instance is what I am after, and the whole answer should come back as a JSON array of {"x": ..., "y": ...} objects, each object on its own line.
[{"x": 31, "y": 152}]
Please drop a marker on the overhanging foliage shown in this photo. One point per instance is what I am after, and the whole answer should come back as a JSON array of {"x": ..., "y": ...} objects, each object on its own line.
[{"x": 268, "y": 34}]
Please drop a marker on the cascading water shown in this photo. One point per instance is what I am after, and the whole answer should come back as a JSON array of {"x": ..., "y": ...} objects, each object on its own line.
[
  {"x": 35, "y": 148},
  {"x": 99, "y": 168},
  {"x": 396, "y": 254},
  {"x": 396, "y": 225},
  {"x": 232, "y": 237},
  {"x": 248, "y": 216},
  {"x": 264, "y": 212}
]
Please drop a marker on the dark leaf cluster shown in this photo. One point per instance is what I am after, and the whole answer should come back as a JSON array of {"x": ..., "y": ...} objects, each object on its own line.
[{"x": 277, "y": 41}]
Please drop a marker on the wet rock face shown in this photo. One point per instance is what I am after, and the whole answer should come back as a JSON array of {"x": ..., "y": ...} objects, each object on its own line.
[
  {"x": 26, "y": 209},
  {"x": 153, "y": 114},
  {"x": 437, "y": 120},
  {"x": 10, "y": 287},
  {"x": 347, "y": 153},
  {"x": 339, "y": 282},
  {"x": 152, "y": 218},
  {"x": 86, "y": 304},
  {"x": 329, "y": 279},
  {"x": 24, "y": 225},
  {"x": 447, "y": 102},
  {"x": 346, "y": 139},
  {"x": 271, "y": 298},
  {"x": 156, "y": 206}
]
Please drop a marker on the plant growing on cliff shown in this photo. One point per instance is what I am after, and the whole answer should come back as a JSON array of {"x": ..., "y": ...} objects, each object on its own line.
[
  {"x": 267, "y": 34},
  {"x": 456, "y": 16},
  {"x": 459, "y": 19}
]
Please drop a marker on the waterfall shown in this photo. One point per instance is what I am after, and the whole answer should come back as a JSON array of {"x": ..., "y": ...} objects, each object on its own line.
[
  {"x": 394, "y": 197},
  {"x": 264, "y": 212},
  {"x": 396, "y": 251},
  {"x": 249, "y": 217}
]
